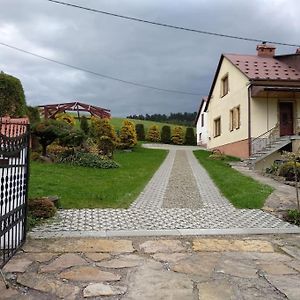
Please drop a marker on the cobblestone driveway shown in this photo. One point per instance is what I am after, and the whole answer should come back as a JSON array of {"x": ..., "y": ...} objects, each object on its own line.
[{"x": 180, "y": 199}]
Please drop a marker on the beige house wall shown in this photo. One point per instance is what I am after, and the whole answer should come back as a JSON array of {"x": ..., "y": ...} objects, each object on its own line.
[{"x": 221, "y": 106}]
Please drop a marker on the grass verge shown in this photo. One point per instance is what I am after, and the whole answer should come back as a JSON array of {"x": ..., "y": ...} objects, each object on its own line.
[
  {"x": 80, "y": 187},
  {"x": 242, "y": 191}
]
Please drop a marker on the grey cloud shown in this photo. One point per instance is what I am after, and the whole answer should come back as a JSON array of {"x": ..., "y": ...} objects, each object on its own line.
[{"x": 134, "y": 51}]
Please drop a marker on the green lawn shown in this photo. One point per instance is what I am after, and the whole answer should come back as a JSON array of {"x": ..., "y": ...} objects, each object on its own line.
[
  {"x": 240, "y": 190},
  {"x": 80, "y": 187}
]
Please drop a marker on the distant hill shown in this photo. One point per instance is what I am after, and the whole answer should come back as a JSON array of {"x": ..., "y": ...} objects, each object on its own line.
[{"x": 117, "y": 123}]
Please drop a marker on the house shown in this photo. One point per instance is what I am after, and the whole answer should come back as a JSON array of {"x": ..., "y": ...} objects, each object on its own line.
[
  {"x": 253, "y": 106},
  {"x": 201, "y": 124}
]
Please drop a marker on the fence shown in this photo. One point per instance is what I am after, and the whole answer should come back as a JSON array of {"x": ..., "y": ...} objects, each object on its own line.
[{"x": 14, "y": 174}]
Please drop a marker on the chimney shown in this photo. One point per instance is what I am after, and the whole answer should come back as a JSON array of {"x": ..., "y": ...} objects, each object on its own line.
[{"x": 265, "y": 50}]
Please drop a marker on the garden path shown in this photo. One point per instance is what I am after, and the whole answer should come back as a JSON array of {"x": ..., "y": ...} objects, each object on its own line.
[{"x": 180, "y": 199}]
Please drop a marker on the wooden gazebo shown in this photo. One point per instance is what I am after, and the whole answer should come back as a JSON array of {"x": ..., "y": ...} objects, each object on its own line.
[{"x": 49, "y": 111}]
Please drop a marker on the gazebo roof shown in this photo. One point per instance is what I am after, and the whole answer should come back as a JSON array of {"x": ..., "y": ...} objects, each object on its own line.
[{"x": 51, "y": 110}]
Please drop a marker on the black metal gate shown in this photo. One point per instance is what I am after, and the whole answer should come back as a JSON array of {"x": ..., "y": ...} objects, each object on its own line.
[{"x": 14, "y": 174}]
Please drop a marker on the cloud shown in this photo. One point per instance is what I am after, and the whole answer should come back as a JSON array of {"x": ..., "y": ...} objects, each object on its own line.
[{"x": 133, "y": 51}]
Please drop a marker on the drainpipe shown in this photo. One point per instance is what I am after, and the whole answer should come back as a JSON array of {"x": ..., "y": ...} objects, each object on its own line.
[{"x": 249, "y": 119}]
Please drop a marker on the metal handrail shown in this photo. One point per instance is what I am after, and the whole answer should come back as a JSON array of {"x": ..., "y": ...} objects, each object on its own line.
[{"x": 265, "y": 139}]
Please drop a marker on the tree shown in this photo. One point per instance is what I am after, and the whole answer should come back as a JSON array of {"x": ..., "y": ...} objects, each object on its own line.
[
  {"x": 190, "y": 138},
  {"x": 69, "y": 119},
  {"x": 140, "y": 132},
  {"x": 153, "y": 134},
  {"x": 33, "y": 114},
  {"x": 128, "y": 138},
  {"x": 177, "y": 135},
  {"x": 47, "y": 132},
  {"x": 166, "y": 134},
  {"x": 84, "y": 125},
  {"x": 12, "y": 97},
  {"x": 71, "y": 137}
]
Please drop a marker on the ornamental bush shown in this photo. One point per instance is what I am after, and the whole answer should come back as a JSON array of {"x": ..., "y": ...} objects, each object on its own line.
[
  {"x": 12, "y": 97},
  {"x": 127, "y": 136},
  {"x": 177, "y": 135},
  {"x": 102, "y": 127},
  {"x": 140, "y": 132},
  {"x": 41, "y": 208},
  {"x": 84, "y": 125},
  {"x": 87, "y": 160},
  {"x": 166, "y": 134},
  {"x": 106, "y": 146},
  {"x": 287, "y": 170},
  {"x": 153, "y": 134},
  {"x": 190, "y": 137},
  {"x": 70, "y": 120}
]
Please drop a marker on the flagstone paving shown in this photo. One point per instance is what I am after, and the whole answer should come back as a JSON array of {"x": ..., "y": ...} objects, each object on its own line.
[
  {"x": 180, "y": 199},
  {"x": 219, "y": 268}
]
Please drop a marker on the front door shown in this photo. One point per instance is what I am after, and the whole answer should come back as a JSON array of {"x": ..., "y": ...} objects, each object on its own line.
[{"x": 286, "y": 118}]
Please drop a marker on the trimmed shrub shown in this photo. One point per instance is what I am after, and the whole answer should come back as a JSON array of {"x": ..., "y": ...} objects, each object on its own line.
[
  {"x": 190, "y": 137},
  {"x": 41, "y": 208},
  {"x": 84, "y": 125},
  {"x": 72, "y": 137},
  {"x": 166, "y": 134},
  {"x": 217, "y": 155},
  {"x": 287, "y": 170},
  {"x": 33, "y": 115},
  {"x": 127, "y": 137},
  {"x": 47, "y": 132},
  {"x": 106, "y": 146},
  {"x": 177, "y": 135},
  {"x": 153, "y": 134},
  {"x": 88, "y": 160},
  {"x": 102, "y": 127},
  {"x": 140, "y": 132},
  {"x": 12, "y": 97},
  {"x": 70, "y": 120}
]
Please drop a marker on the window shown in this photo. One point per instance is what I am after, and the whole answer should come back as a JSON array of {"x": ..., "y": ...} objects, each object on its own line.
[
  {"x": 234, "y": 118},
  {"x": 202, "y": 120},
  {"x": 217, "y": 127},
  {"x": 224, "y": 86},
  {"x": 200, "y": 137}
]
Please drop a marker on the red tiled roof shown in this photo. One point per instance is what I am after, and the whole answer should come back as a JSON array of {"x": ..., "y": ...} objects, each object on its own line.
[
  {"x": 11, "y": 127},
  {"x": 269, "y": 68}
]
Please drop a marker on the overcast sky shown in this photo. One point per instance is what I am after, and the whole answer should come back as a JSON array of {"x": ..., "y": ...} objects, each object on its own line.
[{"x": 138, "y": 52}]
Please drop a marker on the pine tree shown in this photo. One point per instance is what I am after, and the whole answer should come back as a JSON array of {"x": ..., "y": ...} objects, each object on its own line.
[
  {"x": 153, "y": 134},
  {"x": 177, "y": 135},
  {"x": 128, "y": 137},
  {"x": 102, "y": 127},
  {"x": 166, "y": 134},
  {"x": 190, "y": 138},
  {"x": 140, "y": 132}
]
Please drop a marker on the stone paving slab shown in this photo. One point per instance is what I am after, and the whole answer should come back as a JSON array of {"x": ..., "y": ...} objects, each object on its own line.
[{"x": 167, "y": 268}]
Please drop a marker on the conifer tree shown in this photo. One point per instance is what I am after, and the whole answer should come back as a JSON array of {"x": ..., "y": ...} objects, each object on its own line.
[
  {"x": 153, "y": 134},
  {"x": 140, "y": 132},
  {"x": 177, "y": 135},
  {"x": 166, "y": 134},
  {"x": 128, "y": 138},
  {"x": 190, "y": 138}
]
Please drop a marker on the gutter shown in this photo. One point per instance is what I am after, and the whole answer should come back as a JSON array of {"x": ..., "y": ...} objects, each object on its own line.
[{"x": 249, "y": 119}]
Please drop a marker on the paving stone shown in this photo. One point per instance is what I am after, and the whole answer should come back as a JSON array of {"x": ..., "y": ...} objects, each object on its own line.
[
  {"x": 220, "y": 245},
  {"x": 42, "y": 283},
  {"x": 292, "y": 251},
  {"x": 91, "y": 245},
  {"x": 101, "y": 289},
  {"x": 18, "y": 265},
  {"x": 288, "y": 285},
  {"x": 216, "y": 290},
  {"x": 170, "y": 257},
  {"x": 277, "y": 268},
  {"x": 162, "y": 246},
  {"x": 89, "y": 274},
  {"x": 62, "y": 262},
  {"x": 236, "y": 268},
  {"x": 39, "y": 257},
  {"x": 259, "y": 257},
  {"x": 122, "y": 262},
  {"x": 7, "y": 294},
  {"x": 295, "y": 264},
  {"x": 202, "y": 265},
  {"x": 151, "y": 281},
  {"x": 98, "y": 256}
]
